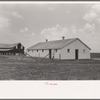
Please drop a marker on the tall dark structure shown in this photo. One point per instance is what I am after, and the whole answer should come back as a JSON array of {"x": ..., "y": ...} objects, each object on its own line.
[{"x": 12, "y": 49}]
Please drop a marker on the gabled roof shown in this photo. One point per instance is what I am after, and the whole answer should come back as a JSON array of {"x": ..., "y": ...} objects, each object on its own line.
[
  {"x": 58, "y": 44},
  {"x": 8, "y": 46}
]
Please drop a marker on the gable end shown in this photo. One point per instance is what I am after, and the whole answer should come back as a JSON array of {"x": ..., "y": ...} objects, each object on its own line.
[
  {"x": 74, "y": 41},
  {"x": 84, "y": 44}
]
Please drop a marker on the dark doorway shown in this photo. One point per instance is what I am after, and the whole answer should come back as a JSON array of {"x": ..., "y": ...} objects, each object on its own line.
[
  {"x": 50, "y": 53},
  {"x": 76, "y": 53}
]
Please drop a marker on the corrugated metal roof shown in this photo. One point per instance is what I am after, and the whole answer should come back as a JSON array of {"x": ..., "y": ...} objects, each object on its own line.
[
  {"x": 5, "y": 49},
  {"x": 7, "y": 46},
  {"x": 58, "y": 44}
]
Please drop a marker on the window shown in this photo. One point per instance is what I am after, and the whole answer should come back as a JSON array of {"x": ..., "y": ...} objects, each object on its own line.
[
  {"x": 42, "y": 50},
  {"x": 37, "y": 50},
  {"x": 83, "y": 50},
  {"x": 68, "y": 50},
  {"x": 56, "y": 50}
]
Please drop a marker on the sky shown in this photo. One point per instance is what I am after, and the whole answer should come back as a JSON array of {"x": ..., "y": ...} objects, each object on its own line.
[{"x": 30, "y": 23}]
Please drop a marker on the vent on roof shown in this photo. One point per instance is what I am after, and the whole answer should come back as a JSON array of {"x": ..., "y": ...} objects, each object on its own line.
[
  {"x": 46, "y": 40},
  {"x": 63, "y": 37}
]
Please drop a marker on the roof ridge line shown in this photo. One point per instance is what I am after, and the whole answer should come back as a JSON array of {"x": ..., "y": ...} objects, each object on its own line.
[{"x": 57, "y": 40}]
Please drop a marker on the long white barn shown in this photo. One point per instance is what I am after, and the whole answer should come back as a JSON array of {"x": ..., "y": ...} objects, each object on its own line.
[{"x": 72, "y": 48}]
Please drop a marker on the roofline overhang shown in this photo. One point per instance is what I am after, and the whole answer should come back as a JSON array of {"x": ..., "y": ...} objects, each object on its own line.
[
  {"x": 63, "y": 46},
  {"x": 7, "y": 48},
  {"x": 45, "y": 49}
]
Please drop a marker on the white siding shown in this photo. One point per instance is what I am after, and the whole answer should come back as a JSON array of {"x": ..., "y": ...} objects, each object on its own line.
[
  {"x": 75, "y": 45},
  {"x": 54, "y": 54},
  {"x": 57, "y": 54},
  {"x": 34, "y": 53}
]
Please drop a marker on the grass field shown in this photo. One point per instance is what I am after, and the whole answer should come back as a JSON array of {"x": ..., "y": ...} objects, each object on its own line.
[{"x": 12, "y": 68}]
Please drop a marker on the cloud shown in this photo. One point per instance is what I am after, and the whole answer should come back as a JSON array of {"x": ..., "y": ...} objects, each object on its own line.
[
  {"x": 91, "y": 16},
  {"x": 73, "y": 29},
  {"x": 96, "y": 7},
  {"x": 15, "y": 14},
  {"x": 55, "y": 32},
  {"x": 85, "y": 33},
  {"x": 89, "y": 26},
  {"x": 24, "y": 30}
]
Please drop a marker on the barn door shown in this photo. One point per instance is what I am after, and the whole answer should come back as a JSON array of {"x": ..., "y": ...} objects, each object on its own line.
[
  {"x": 50, "y": 53},
  {"x": 76, "y": 53}
]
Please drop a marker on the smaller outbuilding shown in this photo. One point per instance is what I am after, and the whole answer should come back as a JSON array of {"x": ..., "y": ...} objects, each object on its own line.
[
  {"x": 72, "y": 48},
  {"x": 11, "y": 49}
]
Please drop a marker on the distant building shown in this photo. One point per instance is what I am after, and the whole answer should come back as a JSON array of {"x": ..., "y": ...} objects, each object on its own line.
[
  {"x": 11, "y": 49},
  {"x": 72, "y": 48}
]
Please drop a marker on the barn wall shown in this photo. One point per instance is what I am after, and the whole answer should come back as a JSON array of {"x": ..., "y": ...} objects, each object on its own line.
[
  {"x": 43, "y": 53},
  {"x": 34, "y": 53},
  {"x": 71, "y": 55},
  {"x": 54, "y": 53},
  {"x": 57, "y": 54}
]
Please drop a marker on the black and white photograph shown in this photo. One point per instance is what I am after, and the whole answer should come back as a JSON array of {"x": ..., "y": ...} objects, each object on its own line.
[
  {"x": 49, "y": 41},
  {"x": 50, "y": 50}
]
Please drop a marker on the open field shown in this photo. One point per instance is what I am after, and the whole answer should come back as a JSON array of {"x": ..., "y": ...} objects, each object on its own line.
[
  {"x": 12, "y": 68},
  {"x": 95, "y": 55}
]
